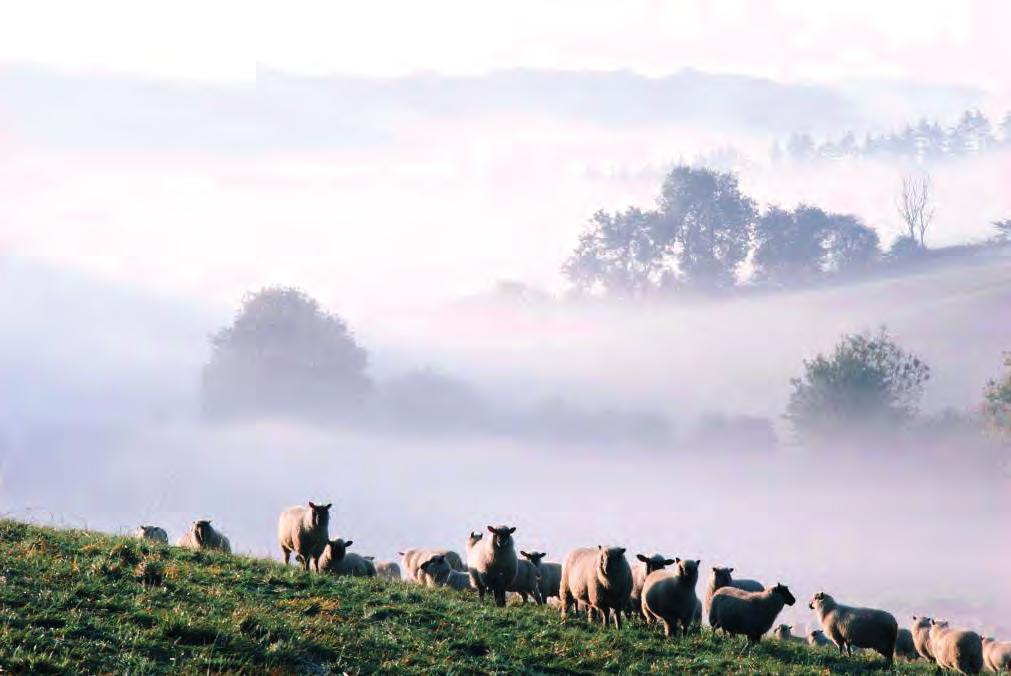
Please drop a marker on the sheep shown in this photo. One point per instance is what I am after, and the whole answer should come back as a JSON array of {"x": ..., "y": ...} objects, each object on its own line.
[
  {"x": 549, "y": 574},
  {"x": 920, "y": 629},
  {"x": 956, "y": 649},
  {"x": 669, "y": 596},
  {"x": 996, "y": 655},
  {"x": 599, "y": 578},
  {"x": 152, "y": 533},
  {"x": 443, "y": 575},
  {"x": 905, "y": 648},
  {"x": 721, "y": 577},
  {"x": 639, "y": 572},
  {"x": 492, "y": 562},
  {"x": 337, "y": 560},
  {"x": 850, "y": 627},
  {"x": 385, "y": 569},
  {"x": 783, "y": 633},
  {"x": 413, "y": 558},
  {"x": 736, "y": 611},
  {"x": 305, "y": 531},
  {"x": 526, "y": 581},
  {"x": 202, "y": 535},
  {"x": 817, "y": 639}
]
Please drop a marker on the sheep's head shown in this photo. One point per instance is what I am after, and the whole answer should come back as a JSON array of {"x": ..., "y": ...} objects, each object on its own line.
[
  {"x": 938, "y": 625},
  {"x": 533, "y": 557},
  {"x": 818, "y": 600},
  {"x": 473, "y": 539},
  {"x": 320, "y": 514},
  {"x": 202, "y": 531},
  {"x": 922, "y": 622},
  {"x": 502, "y": 536},
  {"x": 815, "y": 635},
  {"x": 721, "y": 577},
  {"x": 688, "y": 569},
  {"x": 339, "y": 548},
  {"x": 438, "y": 567},
  {"x": 148, "y": 531},
  {"x": 782, "y": 632},
  {"x": 611, "y": 559},
  {"x": 782, "y": 591},
  {"x": 655, "y": 562}
]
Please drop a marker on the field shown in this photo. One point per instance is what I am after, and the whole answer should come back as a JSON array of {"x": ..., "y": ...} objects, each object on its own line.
[{"x": 76, "y": 601}]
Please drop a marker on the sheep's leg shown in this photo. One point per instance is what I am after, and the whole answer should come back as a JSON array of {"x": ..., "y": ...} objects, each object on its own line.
[
  {"x": 523, "y": 595},
  {"x": 287, "y": 554},
  {"x": 500, "y": 597},
  {"x": 605, "y": 615},
  {"x": 668, "y": 630},
  {"x": 617, "y": 620},
  {"x": 849, "y": 649},
  {"x": 305, "y": 563}
]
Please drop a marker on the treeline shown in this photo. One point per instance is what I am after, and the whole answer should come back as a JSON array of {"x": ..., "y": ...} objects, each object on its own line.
[{"x": 927, "y": 141}]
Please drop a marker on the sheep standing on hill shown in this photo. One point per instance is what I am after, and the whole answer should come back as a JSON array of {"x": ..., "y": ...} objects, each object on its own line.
[
  {"x": 598, "y": 578},
  {"x": 527, "y": 581},
  {"x": 202, "y": 535},
  {"x": 337, "y": 560},
  {"x": 386, "y": 569},
  {"x": 152, "y": 533},
  {"x": 997, "y": 655},
  {"x": 736, "y": 611},
  {"x": 818, "y": 639},
  {"x": 646, "y": 565},
  {"x": 721, "y": 577},
  {"x": 492, "y": 563},
  {"x": 549, "y": 575},
  {"x": 413, "y": 558},
  {"x": 905, "y": 648},
  {"x": 920, "y": 630},
  {"x": 669, "y": 596},
  {"x": 305, "y": 531},
  {"x": 783, "y": 633},
  {"x": 956, "y": 649},
  {"x": 851, "y": 627},
  {"x": 442, "y": 574}
]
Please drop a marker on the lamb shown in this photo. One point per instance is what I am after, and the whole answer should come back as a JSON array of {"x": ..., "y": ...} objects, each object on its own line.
[
  {"x": 202, "y": 535},
  {"x": 956, "y": 649},
  {"x": 670, "y": 596},
  {"x": 413, "y": 558},
  {"x": 905, "y": 648},
  {"x": 386, "y": 569},
  {"x": 526, "y": 581},
  {"x": 152, "y": 533},
  {"x": 817, "y": 639},
  {"x": 721, "y": 577},
  {"x": 639, "y": 572},
  {"x": 492, "y": 563},
  {"x": 996, "y": 655},
  {"x": 736, "y": 611},
  {"x": 443, "y": 575},
  {"x": 783, "y": 633},
  {"x": 850, "y": 627},
  {"x": 920, "y": 630},
  {"x": 305, "y": 531},
  {"x": 549, "y": 574},
  {"x": 600, "y": 578},
  {"x": 337, "y": 560}
]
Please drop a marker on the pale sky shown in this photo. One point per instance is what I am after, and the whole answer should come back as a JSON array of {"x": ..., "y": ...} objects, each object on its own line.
[{"x": 949, "y": 41}]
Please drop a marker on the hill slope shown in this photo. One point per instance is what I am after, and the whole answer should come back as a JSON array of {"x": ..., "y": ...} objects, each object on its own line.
[{"x": 76, "y": 601}]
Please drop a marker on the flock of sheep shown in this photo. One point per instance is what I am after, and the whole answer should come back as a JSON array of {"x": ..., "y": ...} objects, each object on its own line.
[{"x": 600, "y": 582}]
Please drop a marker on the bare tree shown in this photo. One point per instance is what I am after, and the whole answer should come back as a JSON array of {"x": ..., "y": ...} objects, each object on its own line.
[{"x": 915, "y": 207}]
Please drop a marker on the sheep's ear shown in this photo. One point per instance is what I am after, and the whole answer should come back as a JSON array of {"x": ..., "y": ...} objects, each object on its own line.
[
  {"x": 698, "y": 561},
  {"x": 525, "y": 555},
  {"x": 369, "y": 558},
  {"x": 327, "y": 505},
  {"x": 671, "y": 562},
  {"x": 730, "y": 570},
  {"x": 349, "y": 543},
  {"x": 677, "y": 560},
  {"x": 620, "y": 551},
  {"x": 490, "y": 529},
  {"x": 512, "y": 529},
  {"x": 312, "y": 505},
  {"x": 600, "y": 547},
  {"x": 642, "y": 558},
  {"x": 400, "y": 553}
]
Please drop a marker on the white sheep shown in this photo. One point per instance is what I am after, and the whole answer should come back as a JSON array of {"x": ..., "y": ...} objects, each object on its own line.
[
  {"x": 736, "y": 611},
  {"x": 305, "y": 531},
  {"x": 646, "y": 565},
  {"x": 202, "y": 535},
  {"x": 152, "y": 533},
  {"x": 720, "y": 577},
  {"x": 996, "y": 655},
  {"x": 413, "y": 558},
  {"x": 817, "y": 638},
  {"x": 956, "y": 649},
  {"x": 920, "y": 629},
  {"x": 599, "y": 578},
  {"x": 784, "y": 633},
  {"x": 442, "y": 574},
  {"x": 337, "y": 560},
  {"x": 549, "y": 574},
  {"x": 492, "y": 563},
  {"x": 386, "y": 569},
  {"x": 851, "y": 627},
  {"x": 669, "y": 596},
  {"x": 526, "y": 581}
]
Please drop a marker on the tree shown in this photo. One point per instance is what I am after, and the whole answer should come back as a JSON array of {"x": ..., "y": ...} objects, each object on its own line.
[
  {"x": 914, "y": 206},
  {"x": 972, "y": 135},
  {"x": 705, "y": 222},
  {"x": 997, "y": 403},
  {"x": 850, "y": 245},
  {"x": 618, "y": 255},
  {"x": 789, "y": 247},
  {"x": 283, "y": 354},
  {"x": 868, "y": 383},
  {"x": 905, "y": 248}
]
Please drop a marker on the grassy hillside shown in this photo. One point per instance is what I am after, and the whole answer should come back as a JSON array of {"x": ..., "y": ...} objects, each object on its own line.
[{"x": 74, "y": 601}]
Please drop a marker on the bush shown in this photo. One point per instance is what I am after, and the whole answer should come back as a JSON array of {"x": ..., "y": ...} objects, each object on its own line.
[{"x": 997, "y": 403}]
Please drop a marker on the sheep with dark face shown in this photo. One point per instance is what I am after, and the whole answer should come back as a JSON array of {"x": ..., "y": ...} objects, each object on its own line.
[
  {"x": 852, "y": 627},
  {"x": 956, "y": 649},
  {"x": 920, "y": 629},
  {"x": 549, "y": 575},
  {"x": 669, "y": 596},
  {"x": 646, "y": 565},
  {"x": 389, "y": 570},
  {"x": 414, "y": 557},
  {"x": 905, "y": 648},
  {"x": 752, "y": 614},
  {"x": 152, "y": 533},
  {"x": 600, "y": 579},
  {"x": 784, "y": 633},
  {"x": 304, "y": 530},
  {"x": 527, "y": 581},
  {"x": 443, "y": 575},
  {"x": 721, "y": 577},
  {"x": 817, "y": 639},
  {"x": 492, "y": 563},
  {"x": 337, "y": 560},
  {"x": 202, "y": 535}
]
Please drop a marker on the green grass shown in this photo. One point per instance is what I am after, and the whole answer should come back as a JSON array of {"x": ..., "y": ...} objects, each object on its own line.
[{"x": 82, "y": 602}]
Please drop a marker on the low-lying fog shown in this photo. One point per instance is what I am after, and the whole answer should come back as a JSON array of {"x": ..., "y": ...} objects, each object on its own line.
[{"x": 100, "y": 431}]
